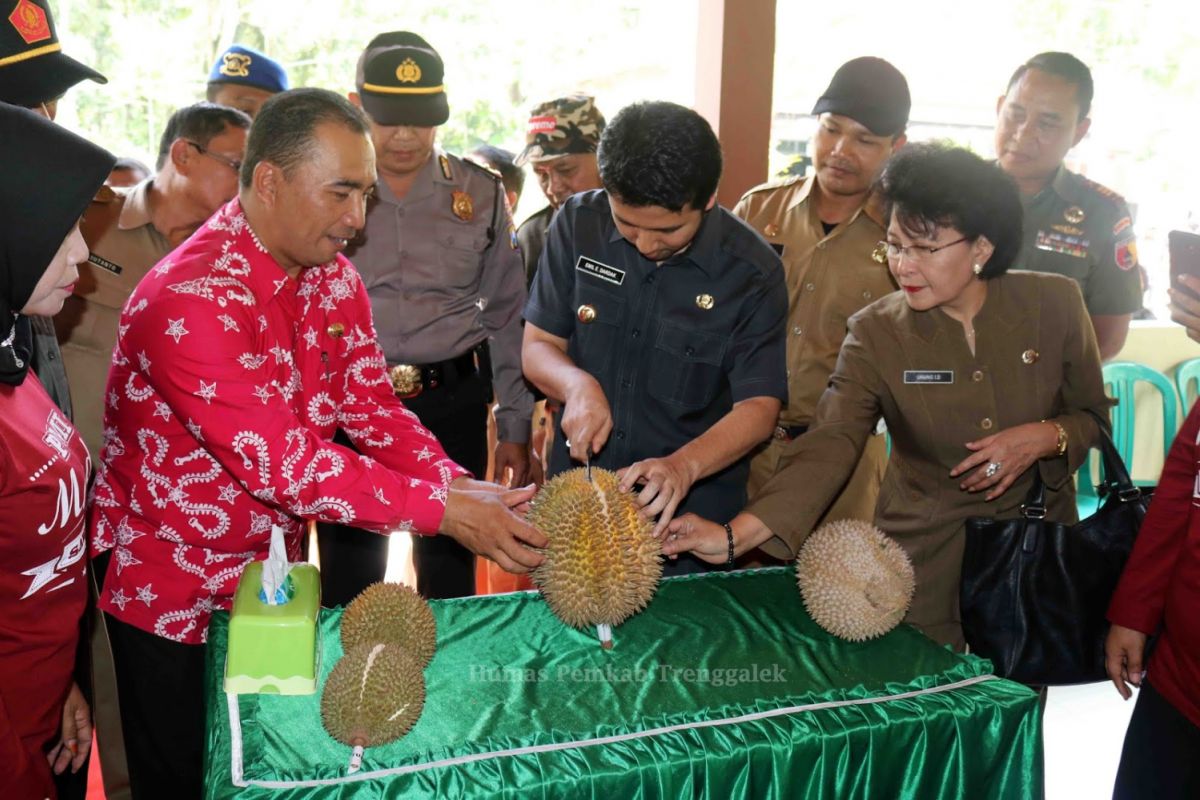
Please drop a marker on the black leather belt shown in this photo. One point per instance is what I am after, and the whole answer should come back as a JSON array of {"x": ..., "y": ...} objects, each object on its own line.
[
  {"x": 409, "y": 380},
  {"x": 786, "y": 433}
]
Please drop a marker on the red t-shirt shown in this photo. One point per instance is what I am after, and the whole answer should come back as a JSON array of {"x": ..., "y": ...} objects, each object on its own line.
[
  {"x": 43, "y": 587},
  {"x": 1160, "y": 587}
]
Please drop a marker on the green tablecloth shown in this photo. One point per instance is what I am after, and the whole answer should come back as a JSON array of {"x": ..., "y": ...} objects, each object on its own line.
[{"x": 724, "y": 687}]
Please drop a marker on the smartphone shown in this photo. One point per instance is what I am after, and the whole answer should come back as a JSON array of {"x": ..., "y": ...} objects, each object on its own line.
[{"x": 1184, "y": 250}]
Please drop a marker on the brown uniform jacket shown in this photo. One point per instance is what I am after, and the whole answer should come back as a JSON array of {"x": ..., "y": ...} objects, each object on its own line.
[
  {"x": 829, "y": 277},
  {"x": 124, "y": 245},
  {"x": 1036, "y": 358}
]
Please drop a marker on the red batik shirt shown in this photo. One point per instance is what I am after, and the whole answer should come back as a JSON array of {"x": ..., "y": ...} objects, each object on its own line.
[{"x": 228, "y": 381}]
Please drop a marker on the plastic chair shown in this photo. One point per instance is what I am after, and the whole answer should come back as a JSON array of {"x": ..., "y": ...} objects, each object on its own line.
[
  {"x": 1120, "y": 380},
  {"x": 1186, "y": 374}
]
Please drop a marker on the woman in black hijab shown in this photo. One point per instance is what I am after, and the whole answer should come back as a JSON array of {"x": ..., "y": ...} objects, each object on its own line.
[{"x": 48, "y": 175}]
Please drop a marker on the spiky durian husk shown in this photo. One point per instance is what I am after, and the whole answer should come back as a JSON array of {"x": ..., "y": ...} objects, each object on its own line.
[
  {"x": 856, "y": 581},
  {"x": 602, "y": 565},
  {"x": 374, "y": 695},
  {"x": 391, "y": 613}
]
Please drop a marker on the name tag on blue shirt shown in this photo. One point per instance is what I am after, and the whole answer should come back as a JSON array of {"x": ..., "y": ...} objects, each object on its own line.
[
  {"x": 602, "y": 271},
  {"x": 929, "y": 376}
]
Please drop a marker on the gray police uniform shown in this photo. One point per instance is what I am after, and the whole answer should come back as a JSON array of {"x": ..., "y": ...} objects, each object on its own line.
[
  {"x": 531, "y": 237},
  {"x": 444, "y": 275},
  {"x": 673, "y": 346},
  {"x": 1078, "y": 228}
]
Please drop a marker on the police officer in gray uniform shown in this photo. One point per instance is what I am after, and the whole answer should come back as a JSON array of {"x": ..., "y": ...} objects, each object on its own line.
[{"x": 439, "y": 259}]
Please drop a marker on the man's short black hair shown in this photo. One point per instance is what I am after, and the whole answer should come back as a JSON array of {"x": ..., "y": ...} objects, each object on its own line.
[
  {"x": 501, "y": 160},
  {"x": 199, "y": 123},
  {"x": 285, "y": 128},
  {"x": 935, "y": 185},
  {"x": 660, "y": 154},
  {"x": 1067, "y": 67},
  {"x": 133, "y": 165}
]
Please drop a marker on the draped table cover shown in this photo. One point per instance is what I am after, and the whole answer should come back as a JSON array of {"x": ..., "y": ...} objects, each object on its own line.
[{"x": 723, "y": 687}]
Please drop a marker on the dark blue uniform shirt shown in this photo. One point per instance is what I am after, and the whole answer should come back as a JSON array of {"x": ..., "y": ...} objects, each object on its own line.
[{"x": 673, "y": 346}]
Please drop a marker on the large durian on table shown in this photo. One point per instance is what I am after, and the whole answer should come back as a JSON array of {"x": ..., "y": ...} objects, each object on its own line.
[
  {"x": 374, "y": 695},
  {"x": 391, "y": 613},
  {"x": 856, "y": 581},
  {"x": 601, "y": 565}
]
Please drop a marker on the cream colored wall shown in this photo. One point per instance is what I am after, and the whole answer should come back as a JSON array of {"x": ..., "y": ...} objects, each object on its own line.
[{"x": 1163, "y": 346}]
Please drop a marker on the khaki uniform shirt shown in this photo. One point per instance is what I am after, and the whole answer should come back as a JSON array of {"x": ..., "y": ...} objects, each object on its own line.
[
  {"x": 444, "y": 274},
  {"x": 1036, "y": 358},
  {"x": 124, "y": 246},
  {"x": 829, "y": 278},
  {"x": 1078, "y": 228}
]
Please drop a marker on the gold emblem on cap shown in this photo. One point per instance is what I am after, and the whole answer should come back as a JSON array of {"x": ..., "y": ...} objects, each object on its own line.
[
  {"x": 1074, "y": 215},
  {"x": 236, "y": 65},
  {"x": 336, "y": 330},
  {"x": 705, "y": 301},
  {"x": 460, "y": 204},
  {"x": 1029, "y": 356},
  {"x": 586, "y": 314},
  {"x": 408, "y": 71},
  {"x": 879, "y": 254},
  {"x": 771, "y": 229}
]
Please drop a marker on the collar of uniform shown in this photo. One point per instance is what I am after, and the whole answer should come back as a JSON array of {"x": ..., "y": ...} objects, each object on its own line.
[
  {"x": 135, "y": 213},
  {"x": 872, "y": 206},
  {"x": 266, "y": 277},
  {"x": 1059, "y": 185},
  {"x": 422, "y": 185},
  {"x": 701, "y": 250},
  {"x": 802, "y": 192},
  {"x": 999, "y": 313}
]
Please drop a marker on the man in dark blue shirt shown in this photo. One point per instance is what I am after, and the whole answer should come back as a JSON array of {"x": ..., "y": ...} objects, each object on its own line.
[{"x": 657, "y": 319}]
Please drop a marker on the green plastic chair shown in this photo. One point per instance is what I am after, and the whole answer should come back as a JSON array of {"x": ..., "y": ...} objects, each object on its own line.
[
  {"x": 1120, "y": 380},
  {"x": 1187, "y": 374}
]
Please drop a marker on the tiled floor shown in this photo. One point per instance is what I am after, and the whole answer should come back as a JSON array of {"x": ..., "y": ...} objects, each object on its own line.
[{"x": 1084, "y": 728}]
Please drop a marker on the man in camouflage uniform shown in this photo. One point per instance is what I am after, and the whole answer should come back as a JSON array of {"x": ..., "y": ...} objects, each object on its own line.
[
  {"x": 1073, "y": 226},
  {"x": 826, "y": 229},
  {"x": 439, "y": 259},
  {"x": 560, "y": 144}
]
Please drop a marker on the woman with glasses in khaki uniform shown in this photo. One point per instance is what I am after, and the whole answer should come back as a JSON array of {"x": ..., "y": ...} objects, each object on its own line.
[{"x": 981, "y": 375}]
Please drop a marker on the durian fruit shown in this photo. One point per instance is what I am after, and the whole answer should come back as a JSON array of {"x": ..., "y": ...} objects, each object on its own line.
[
  {"x": 391, "y": 613},
  {"x": 856, "y": 581},
  {"x": 602, "y": 565},
  {"x": 374, "y": 695}
]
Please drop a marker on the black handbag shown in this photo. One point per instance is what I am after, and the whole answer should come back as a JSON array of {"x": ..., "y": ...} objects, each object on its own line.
[{"x": 1034, "y": 593}]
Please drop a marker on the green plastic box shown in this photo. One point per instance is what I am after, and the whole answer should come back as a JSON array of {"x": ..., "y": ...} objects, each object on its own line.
[{"x": 273, "y": 649}]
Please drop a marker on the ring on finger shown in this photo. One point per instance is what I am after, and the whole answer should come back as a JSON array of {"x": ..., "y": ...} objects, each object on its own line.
[{"x": 992, "y": 469}]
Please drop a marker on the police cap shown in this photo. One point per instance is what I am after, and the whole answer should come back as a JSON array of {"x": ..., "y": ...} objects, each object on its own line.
[
  {"x": 400, "y": 80},
  {"x": 248, "y": 67}
]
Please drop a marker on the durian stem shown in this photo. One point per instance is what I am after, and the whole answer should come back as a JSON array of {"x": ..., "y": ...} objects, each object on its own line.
[
  {"x": 604, "y": 631},
  {"x": 355, "y": 760}
]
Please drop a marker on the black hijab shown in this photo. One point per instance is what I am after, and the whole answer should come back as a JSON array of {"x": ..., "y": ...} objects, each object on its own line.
[{"x": 48, "y": 175}]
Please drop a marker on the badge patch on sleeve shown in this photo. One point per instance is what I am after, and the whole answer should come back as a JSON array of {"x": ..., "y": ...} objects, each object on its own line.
[
  {"x": 1125, "y": 253},
  {"x": 602, "y": 271},
  {"x": 929, "y": 376}
]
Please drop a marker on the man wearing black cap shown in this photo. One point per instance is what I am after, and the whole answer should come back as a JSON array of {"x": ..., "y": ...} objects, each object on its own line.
[
  {"x": 826, "y": 228},
  {"x": 440, "y": 262},
  {"x": 35, "y": 73}
]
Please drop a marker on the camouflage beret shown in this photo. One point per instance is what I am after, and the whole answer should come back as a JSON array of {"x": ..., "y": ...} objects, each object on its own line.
[{"x": 560, "y": 127}]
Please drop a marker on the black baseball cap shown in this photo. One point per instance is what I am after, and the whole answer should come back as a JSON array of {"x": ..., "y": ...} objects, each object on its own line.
[
  {"x": 400, "y": 80},
  {"x": 33, "y": 67},
  {"x": 871, "y": 91}
]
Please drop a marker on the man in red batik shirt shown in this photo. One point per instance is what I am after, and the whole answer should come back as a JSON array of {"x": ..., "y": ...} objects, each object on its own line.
[
  {"x": 237, "y": 358},
  {"x": 1159, "y": 593}
]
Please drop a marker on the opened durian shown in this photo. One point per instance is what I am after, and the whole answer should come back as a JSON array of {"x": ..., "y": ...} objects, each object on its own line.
[
  {"x": 374, "y": 695},
  {"x": 856, "y": 581},
  {"x": 391, "y": 613},
  {"x": 602, "y": 565}
]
